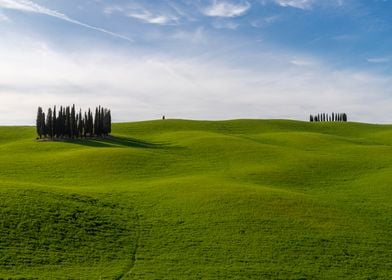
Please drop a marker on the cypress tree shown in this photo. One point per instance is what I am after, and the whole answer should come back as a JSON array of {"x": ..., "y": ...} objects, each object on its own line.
[
  {"x": 54, "y": 122},
  {"x": 40, "y": 123},
  {"x": 68, "y": 122},
  {"x": 101, "y": 121},
  {"x": 45, "y": 132},
  {"x": 109, "y": 122},
  {"x": 76, "y": 133},
  {"x": 96, "y": 119},
  {"x": 59, "y": 123},
  {"x": 85, "y": 123},
  {"x": 65, "y": 128},
  {"x": 49, "y": 123},
  {"x": 73, "y": 122},
  {"x": 80, "y": 124},
  {"x": 90, "y": 123}
]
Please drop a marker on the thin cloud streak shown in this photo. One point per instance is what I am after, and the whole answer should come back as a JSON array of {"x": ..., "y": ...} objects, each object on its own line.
[
  {"x": 3, "y": 18},
  {"x": 153, "y": 19},
  {"x": 144, "y": 15},
  {"x": 220, "y": 8},
  {"x": 379, "y": 59},
  {"x": 31, "y": 7},
  {"x": 299, "y": 4}
]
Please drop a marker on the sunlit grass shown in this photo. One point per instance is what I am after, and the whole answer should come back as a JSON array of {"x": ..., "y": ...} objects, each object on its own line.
[{"x": 191, "y": 199}]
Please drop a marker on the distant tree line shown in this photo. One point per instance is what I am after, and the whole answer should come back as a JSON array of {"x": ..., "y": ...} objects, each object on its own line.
[
  {"x": 334, "y": 117},
  {"x": 67, "y": 123}
]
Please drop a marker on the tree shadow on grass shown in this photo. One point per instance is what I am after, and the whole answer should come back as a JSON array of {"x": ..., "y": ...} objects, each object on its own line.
[{"x": 118, "y": 142}]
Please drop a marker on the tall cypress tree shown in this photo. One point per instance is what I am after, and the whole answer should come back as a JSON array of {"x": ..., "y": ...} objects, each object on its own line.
[
  {"x": 68, "y": 122},
  {"x": 61, "y": 122},
  {"x": 90, "y": 123},
  {"x": 109, "y": 122},
  {"x": 49, "y": 123},
  {"x": 45, "y": 131},
  {"x": 55, "y": 122},
  {"x": 96, "y": 119},
  {"x": 80, "y": 124},
  {"x": 76, "y": 133},
  {"x": 73, "y": 122},
  {"x": 40, "y": 123},
  {"x": 101, "y": 121},
  {"x": 65, "y": 127}
]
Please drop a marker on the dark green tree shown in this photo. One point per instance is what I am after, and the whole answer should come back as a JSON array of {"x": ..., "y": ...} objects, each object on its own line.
[
  {"x": 40, "y": 123},
  {"x": 73, "y": 127},
  {"x": 49, "y": 123}
]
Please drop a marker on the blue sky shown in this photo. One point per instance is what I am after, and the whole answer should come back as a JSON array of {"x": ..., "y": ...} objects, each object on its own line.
[{"x": 200, "y": 59}]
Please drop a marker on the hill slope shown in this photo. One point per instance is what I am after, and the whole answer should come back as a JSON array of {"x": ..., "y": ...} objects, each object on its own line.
[{"x": 196, "y": 199}]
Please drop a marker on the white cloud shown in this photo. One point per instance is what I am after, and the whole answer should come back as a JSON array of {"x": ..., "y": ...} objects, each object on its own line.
[
  {"x": 3, "y": 17},
  {"x": 298, "y": 61},
  {"x": 379, "y": 59},
  {"x": 300, "y": 4},
  {"x": 148, "y": 17},
  {"x": 32, "y": 7},
  {"x": 196, "y": 37},
  {"x": 262, "y": 22},
  {"x": 223, "y": 24},
  {"x": 138, "y": 12},
  {"x": 140, "y": 87},
  {"x": 221, "y": 8}
]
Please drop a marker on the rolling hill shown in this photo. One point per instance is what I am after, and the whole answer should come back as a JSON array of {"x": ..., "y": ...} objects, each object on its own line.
[{"x": 178, "y": 199}]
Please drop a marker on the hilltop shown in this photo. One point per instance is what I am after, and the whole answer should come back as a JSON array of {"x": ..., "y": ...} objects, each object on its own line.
[{"x": 261, "y": 199}]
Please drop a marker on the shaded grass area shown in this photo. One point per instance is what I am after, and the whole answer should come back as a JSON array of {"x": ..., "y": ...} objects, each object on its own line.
[
  {"x": 176, "y": 199},
  {"x": 50, "y": 232},
  {"x": 112, "y": 142}
]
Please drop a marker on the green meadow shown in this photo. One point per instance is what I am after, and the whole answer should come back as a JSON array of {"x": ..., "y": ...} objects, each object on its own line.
[{"x": 177, "y": 199}]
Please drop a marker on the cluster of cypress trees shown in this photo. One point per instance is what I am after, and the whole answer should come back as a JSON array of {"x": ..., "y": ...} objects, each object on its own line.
[
  {"x": 67, "y": 123},
  {"x": 334, "y": 117}
]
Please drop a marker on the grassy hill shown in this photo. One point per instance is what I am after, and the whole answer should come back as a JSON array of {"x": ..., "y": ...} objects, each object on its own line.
[{"x": 179, "y": 199}]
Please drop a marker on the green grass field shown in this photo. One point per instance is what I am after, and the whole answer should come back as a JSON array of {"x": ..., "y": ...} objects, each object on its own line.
[{"x": 181, "y": 199}]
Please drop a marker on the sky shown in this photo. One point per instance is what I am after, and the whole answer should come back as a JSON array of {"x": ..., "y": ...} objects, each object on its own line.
[{"x": 197, "y": 59}]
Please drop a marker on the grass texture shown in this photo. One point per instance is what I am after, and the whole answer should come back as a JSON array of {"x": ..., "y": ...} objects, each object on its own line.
[{"x": 177, "y": 199}]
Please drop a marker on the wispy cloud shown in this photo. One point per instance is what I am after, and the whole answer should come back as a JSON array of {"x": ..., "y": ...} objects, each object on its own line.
[
  {"x": 303, "y": 62},
  {"x": 221, "y": 8},
  {"x": 299, "y": 4},
  {"x": 148, "y": 17},
  {"x": 3, "y": 17},
  {"x": 220, "y": 24},
  {"x": 262, "y": 22},
  {"x": 307, "y": 4},
  {"x": 32, "y": 7},
  {"x": 379, "y": 59},
  {"x": 145, "y": 15}
]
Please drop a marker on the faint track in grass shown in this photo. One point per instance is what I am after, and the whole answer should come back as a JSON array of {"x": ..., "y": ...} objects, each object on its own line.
[{"x": 130, "y": 267}]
